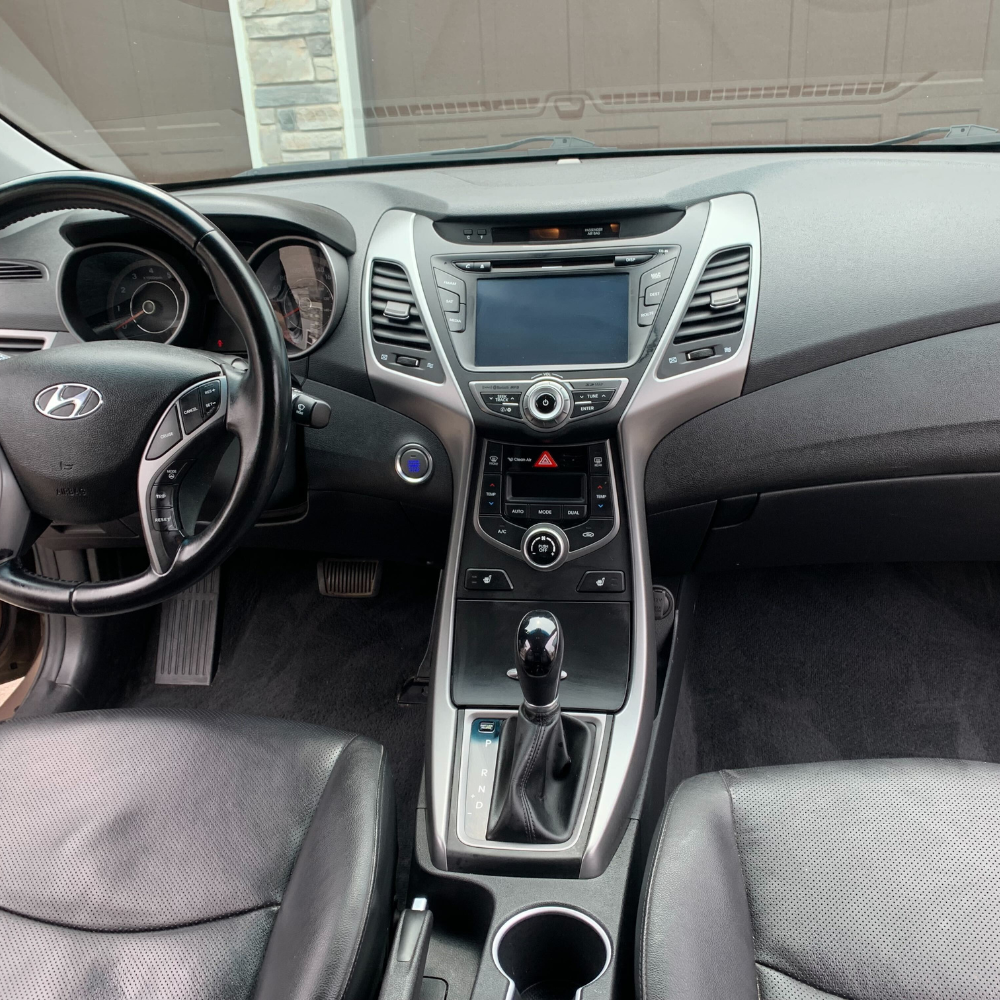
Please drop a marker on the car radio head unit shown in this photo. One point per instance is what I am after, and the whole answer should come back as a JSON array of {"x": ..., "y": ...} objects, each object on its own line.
[
  {"x": 536, "y": 310},
  {"x": 552, "y": 321}
]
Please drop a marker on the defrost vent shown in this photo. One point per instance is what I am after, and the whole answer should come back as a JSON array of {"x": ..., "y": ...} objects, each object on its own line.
[
  {"x": 719, "y": 306},
  {"x": 396, "y": 320},
  {"x": 21, "y": 270}
]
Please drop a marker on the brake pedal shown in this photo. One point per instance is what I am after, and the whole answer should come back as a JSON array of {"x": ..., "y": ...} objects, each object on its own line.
[
  {"x": 349, "y": 577},
  {"x": 185, "y": 653}
]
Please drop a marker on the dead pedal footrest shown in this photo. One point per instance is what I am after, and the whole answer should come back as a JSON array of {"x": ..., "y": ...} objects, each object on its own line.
[
  {"x": 185, "y": 653},
  {"x": 349, "y": 577}
]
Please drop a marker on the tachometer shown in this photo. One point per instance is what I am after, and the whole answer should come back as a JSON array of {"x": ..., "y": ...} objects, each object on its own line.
[
  {"x": 301, "y": 283},
  {"x": 146, "y": 302}
]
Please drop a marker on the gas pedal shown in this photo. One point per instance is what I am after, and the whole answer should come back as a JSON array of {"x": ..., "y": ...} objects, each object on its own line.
[
  {"x": 185, "y": 653},
  {"x": 349, "y": 577}
]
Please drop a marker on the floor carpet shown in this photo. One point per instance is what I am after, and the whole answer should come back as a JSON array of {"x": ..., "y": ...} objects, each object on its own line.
[{"x": 287, "y": 651}]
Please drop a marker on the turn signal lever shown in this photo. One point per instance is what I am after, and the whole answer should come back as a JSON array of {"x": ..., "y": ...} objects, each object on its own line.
[{"x": 539, "y": 661}]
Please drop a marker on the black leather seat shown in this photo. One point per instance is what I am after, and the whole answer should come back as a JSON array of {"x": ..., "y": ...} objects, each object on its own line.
[
  {"x": 187, "y": 855},
  {"x": 864, "y": 880}
]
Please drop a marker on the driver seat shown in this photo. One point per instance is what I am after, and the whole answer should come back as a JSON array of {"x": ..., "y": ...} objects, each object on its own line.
[{"x": 167, "y": 855}]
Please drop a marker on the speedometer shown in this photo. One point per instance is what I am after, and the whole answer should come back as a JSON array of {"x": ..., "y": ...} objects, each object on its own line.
[
  {"x": 147, "y": 302},
  {"x": 301, "y": 282}
]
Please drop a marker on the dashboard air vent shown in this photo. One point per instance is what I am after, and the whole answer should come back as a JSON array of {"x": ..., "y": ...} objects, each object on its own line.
[
  {"x": 395, "y": 318},
  {"x": 719, "y": 305},
  {"x": 20, "y": 270},
  {"x": 21, "y": 343}
]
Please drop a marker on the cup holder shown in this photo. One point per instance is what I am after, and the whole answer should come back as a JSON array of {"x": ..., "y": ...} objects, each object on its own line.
[{"x": 550, "y": 953}]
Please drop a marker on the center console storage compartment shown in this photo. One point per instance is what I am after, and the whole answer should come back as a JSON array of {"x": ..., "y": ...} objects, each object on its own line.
[
  {"x": 597, "y": 653},
  {"x": 550, "y": 953}
]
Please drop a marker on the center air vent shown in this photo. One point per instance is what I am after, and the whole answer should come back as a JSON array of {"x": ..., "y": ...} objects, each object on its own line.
[
  {"x": 20, "y": 270},
  {"x": 718, "y": 308},
  {"x": 395, "y": 318}
]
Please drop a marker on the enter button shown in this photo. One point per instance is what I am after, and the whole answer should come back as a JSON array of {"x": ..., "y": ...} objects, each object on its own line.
[{"x": 598, "y": 581}]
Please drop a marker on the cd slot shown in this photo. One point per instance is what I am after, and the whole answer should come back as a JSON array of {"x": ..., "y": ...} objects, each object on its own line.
[{"x": 552, "y": 263}]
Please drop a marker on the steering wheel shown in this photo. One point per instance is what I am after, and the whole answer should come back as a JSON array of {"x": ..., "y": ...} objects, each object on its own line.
[{"x": 94, "y": 432}]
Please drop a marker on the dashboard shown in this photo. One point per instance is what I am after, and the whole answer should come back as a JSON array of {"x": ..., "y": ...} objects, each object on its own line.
[{"x": 834, "y": 353}]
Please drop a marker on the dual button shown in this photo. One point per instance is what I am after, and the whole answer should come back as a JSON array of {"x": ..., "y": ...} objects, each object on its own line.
[{"x": 546, "y": 512}]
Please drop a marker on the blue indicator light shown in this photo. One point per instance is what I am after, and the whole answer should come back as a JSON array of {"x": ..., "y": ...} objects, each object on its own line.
[{"x": 413, "y": 465}]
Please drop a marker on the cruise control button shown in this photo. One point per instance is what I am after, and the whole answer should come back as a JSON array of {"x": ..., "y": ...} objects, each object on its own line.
[
  {"x": 502, "y": 531},
  {"x": 211, "y": 395},
  {"x": 166, "y": 436},
  {"x": 487, "y": 579},
  {"x": 191, "y": 413},
  {"x": 654, "y": 294},
  {"x": 602, "y": 582},
  {"x": 589, "y": 532},
  {"x": 456, "y": 320},
  {"x": 449, "y": 300}
]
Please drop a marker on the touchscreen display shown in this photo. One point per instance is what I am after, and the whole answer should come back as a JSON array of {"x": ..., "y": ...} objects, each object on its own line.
[{"x": 570, "y": 320}]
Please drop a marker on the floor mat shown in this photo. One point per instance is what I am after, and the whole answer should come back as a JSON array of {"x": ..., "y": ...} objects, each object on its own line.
[
  {"x": 836, "y": 663},
  {"x": 287, "y": 651}
]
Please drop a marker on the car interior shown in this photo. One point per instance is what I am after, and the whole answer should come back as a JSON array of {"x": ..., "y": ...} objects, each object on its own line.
[{"x": 541, "y": 571}]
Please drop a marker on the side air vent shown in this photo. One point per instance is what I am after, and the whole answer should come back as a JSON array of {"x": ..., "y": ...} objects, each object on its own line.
[
  {"x": 20, "y": 270},
  {"x": 22, "y": 343},
  {"x": 395, "y": 318},
  {"x": 719, "y": 306}
]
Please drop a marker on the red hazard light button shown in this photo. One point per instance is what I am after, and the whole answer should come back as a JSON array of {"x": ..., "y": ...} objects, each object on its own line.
[{"x": 546, "y": 461}]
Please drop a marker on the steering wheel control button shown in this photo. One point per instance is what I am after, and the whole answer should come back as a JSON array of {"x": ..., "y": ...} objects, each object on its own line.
[
  {"x": 602, "y": 582},
  {"x": 487, "y": 579},
  {"x": 173, "y": 473},
  {"x": 167, "y": 435},
  {"x": 544, "y": 546},
  {"x": 414, "y": 464},
  {"x": 192, "y": 415},
  {"x": 163, "y": 497},
  {"x": 589, "y": 533},
  {"x": 211, "y": 395},
  {"x": 547, "y": 403},
  {"x": 164, "y": 520},
  {"x": 502, "y": 531}
]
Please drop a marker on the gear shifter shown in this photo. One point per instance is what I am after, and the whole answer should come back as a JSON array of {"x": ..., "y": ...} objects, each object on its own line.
[
  {"x": 539, "y": 661},
  {"x": 544, "y": 757}
]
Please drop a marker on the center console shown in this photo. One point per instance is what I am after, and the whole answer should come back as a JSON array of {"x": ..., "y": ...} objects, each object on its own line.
[{"x": 550, "y": 356}]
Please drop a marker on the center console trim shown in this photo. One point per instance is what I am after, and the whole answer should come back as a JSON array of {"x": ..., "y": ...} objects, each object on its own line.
[{"x": 474, "y": 714}]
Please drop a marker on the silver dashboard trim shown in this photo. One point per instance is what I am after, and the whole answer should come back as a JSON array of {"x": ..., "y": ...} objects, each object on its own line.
[
  {"x": 655, "y": 409},
  {"x": 441, "y": 407},
  {"x": 47, "y": 337},
  {"x": 472, "y": 715}
]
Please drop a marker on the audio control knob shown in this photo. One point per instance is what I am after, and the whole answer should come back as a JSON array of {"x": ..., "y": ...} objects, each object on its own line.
[
  {"x": 544, "y": 546},
  {"x": 547, "y": 404}
]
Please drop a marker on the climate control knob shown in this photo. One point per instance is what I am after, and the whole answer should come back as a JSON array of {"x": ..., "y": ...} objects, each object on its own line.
[
  {"x": 545, "y": 546},
  {"x": 547, "y": 404}
]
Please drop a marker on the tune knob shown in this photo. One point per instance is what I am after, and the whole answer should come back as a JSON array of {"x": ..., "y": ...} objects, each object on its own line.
[
  {"x": 547, "y": 404},
  {"x": 545, "y": 546}
]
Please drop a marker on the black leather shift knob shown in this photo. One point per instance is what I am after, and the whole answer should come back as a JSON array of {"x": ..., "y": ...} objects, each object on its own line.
[{"x": 539, "y": 659}]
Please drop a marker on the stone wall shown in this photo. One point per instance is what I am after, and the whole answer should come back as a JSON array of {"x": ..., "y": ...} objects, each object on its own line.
[{"x": 293, "y": 79}]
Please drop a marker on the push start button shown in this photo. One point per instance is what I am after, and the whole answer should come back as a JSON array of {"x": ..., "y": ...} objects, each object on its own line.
[{"x": 414, "y": 464}]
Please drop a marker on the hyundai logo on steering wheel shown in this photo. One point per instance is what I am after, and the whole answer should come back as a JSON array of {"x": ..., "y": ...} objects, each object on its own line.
[{"x": 68, "y": 401}]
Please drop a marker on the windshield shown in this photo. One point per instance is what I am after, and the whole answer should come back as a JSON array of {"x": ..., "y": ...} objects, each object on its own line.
[{"x": 183, "y": 90}]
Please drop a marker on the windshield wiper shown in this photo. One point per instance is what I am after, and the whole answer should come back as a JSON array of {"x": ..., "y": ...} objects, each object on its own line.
[
  {"x": 569, "y": 143},
  {"x": 955, "y": 135}
]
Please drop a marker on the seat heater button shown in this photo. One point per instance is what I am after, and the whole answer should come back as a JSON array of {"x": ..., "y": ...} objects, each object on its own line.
[
  {"x": 167, "y": 435},
  {"x": 487, "y": 579},
  {"x": 602, "y": 582},
  {"x": 192, "y": 415}
]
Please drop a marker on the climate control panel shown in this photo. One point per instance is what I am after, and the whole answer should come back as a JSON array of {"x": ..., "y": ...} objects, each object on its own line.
[
  {"x": 548, "y": 402},
  {"x": 548, "y": 503}
]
